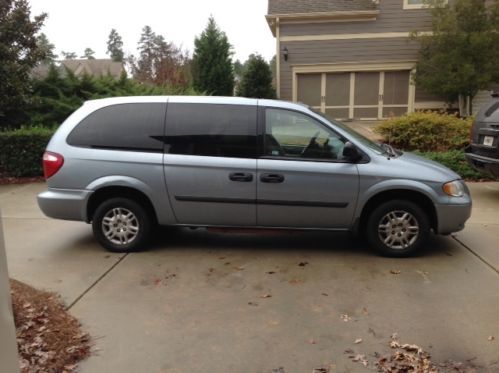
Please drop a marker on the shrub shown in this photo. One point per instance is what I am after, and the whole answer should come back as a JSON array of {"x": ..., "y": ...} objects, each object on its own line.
[
  {"x": 426, "y": 131},
  {"x": 22, "y": 150},
  {"x": 456, "y": 161}
]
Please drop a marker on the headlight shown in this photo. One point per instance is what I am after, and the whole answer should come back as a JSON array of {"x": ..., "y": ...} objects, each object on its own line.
[{"x": 454, "y": 188}]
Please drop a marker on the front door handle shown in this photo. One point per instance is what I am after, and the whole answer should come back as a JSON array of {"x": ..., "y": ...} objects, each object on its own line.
[
  {"x": 241, "y": 176},
  {"x": 271, "y": 178}
]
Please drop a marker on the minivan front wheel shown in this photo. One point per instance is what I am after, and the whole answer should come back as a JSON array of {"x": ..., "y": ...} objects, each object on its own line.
[
  {"x": 397, "y": 228},
  {"x": 121, "y": 225}
]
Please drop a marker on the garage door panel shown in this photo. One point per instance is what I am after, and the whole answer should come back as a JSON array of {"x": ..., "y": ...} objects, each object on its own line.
[
  {"x": 366, "y": 88},
  {"x": 396, "y": 88},
  {"x": 337, "y": 89},
  {"x": 309, "y": 89},
  {"x": 337, "y": 113}
]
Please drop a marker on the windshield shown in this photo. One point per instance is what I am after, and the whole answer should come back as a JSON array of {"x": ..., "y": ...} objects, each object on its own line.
[{"x": 360, "y": 138}]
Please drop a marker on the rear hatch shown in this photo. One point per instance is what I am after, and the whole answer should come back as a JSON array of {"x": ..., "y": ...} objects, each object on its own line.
[{"x": 485, "y": 131}]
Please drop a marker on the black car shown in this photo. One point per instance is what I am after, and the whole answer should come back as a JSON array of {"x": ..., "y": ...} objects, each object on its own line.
[{"x": 483, "y": 152}]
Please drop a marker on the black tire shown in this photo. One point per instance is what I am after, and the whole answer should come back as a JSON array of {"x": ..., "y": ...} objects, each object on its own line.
[
  {"x": 121, "y": 225},
  {"x": 399, "y": 232}
]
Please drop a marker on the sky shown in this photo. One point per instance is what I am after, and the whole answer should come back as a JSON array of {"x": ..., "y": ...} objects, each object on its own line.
[{"x": 75, "y": 25}]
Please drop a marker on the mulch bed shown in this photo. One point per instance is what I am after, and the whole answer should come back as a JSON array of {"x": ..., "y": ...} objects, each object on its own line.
[
  {"x": 7, "y": 180},
  {"x": 49, "y": 339}
]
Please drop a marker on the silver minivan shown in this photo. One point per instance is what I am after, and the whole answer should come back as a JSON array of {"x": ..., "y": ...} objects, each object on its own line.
[{"x": 127, "y": 164}]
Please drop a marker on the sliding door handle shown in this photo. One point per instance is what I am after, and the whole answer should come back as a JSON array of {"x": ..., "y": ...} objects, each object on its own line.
[
  {"x": 241, "y": 176},
  {"x": 271, "y": 178}
]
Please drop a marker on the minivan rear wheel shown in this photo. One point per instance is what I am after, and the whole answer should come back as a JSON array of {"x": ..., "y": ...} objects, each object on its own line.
[
  {"x": 397, "y": 228},
  {"x": 121, "y": 225}
]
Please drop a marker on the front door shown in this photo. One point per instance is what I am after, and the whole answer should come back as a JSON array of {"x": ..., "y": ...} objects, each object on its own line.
[
  {"x": 210, "y": 163},
  {"x": 303, "y": 180}
]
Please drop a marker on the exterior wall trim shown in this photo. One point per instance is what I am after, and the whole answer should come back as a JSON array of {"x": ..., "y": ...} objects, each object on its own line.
[
  {"x": 338, "y": 16},
  {"x": 373, "y": 35}
]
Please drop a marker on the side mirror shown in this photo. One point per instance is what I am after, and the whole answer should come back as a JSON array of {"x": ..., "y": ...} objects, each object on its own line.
[{"x": 351, "y": 153}]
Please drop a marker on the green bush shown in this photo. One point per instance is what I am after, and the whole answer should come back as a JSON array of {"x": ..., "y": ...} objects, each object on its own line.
[
  {"x": 456, "y": 161},
  {"x": 426, "y": 131},
  {"x": 22, "y": 150}
]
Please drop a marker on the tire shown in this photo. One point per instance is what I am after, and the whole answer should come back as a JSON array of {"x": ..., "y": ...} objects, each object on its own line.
[
  {"x": 121, "y": 225},
  {"x": 397, "y": 228}
]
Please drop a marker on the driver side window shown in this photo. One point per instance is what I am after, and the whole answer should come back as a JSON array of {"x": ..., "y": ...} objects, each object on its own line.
[{"x": 295, "y": 135}]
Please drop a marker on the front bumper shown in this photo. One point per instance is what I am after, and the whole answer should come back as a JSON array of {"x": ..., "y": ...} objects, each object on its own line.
[
  {"x": 64, "y": 204},
  {"x": 484, "y": 164},
  {"x": 451, "y": 218}
]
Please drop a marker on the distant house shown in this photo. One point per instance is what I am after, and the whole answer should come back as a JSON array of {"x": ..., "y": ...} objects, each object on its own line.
[
  {"x": 94, "y": 67},
  {"x": 80, "y": 67},
  {"x": 350, "y": 59}
]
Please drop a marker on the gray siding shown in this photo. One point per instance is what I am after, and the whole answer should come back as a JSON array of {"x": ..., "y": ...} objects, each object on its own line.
[
  {"x": 342, "y": 51},
  {"x": 392, "y": 18}
]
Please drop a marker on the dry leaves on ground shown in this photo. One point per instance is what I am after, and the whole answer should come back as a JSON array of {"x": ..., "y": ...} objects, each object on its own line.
[
  {"x": 49, "y": 339},
  {"x": 408, "y": 358}
]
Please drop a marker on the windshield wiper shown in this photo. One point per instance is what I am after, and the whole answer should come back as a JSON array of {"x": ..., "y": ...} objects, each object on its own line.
[{"x": 389, "y": 150}]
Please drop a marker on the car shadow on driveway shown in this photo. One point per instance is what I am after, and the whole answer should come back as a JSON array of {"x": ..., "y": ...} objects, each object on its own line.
[{"x": 280, "y": 240}]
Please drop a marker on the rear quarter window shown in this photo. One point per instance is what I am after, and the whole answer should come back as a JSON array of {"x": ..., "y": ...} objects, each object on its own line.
[
  {"x": 134, "y": 127},
  {"x": 214, "y": 130}
]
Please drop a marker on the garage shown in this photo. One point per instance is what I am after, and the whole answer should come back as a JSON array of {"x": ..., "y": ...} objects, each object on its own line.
[{"x": 364, "y": 95}]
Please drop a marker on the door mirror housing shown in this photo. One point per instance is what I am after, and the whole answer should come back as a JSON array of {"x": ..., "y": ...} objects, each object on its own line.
[{"x": 351, "y": 153}]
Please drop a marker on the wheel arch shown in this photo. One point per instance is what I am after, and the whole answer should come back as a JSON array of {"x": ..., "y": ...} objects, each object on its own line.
[
  {"x": 420, "y": 198},
  {"x": 107, "y": 192}
]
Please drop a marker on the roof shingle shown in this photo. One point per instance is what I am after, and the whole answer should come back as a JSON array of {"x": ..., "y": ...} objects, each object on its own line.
[{"x": 318, "y": 6}]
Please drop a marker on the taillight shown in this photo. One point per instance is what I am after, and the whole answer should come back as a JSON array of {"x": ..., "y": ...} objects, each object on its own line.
[{"x": 52, "y": 162}]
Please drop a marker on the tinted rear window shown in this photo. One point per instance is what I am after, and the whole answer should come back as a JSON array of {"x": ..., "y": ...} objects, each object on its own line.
[
  {"x": 136, "y": 127},
  {"x": 211, "y": 130}
]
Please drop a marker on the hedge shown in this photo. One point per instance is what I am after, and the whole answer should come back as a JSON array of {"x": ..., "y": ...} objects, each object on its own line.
[
  {"x": 21, "y": 150},
  {"x": 456, "y": 161},
  {"x": 426, "y": 131}
]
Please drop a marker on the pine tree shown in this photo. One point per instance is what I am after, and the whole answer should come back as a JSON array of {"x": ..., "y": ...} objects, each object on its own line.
[
  {"x": 212, "y": 62},
  {"x": 19, "y": 53},
  {"x": 115, "y": 46},
  {"x": 68, "y": 55},
  {"x": 143, "y": 69},
  {"x": 88, "y": 54},
  {"x": 46, "y": 47},
  {"x": 256, "y": 81}
]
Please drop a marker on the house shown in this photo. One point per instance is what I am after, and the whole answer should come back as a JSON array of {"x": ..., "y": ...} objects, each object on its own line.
[
  {"x": 350, "y": 59},
  {"x": 94, "y": 67},
  {"x": 80, "y": 67}
]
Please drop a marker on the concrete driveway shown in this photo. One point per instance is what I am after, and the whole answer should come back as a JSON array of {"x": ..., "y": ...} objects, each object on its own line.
[{"x": 276, "y": 302}]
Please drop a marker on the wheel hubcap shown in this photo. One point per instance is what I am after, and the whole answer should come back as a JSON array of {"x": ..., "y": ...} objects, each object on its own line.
[
  {"x": 120, "y": 226},
  {"x": 398, "y": 229}
]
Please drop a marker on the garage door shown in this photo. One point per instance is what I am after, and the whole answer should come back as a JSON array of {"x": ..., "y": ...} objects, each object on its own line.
[{"x": 356, "y": 95}]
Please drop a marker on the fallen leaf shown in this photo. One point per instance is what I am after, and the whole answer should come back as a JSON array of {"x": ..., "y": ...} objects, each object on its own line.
[
  {"x": 320, "y": 370},
  {"x": 364, "y": 311},
  {"x": 358, "y": 340},
  {"x": 395, "y": 272},
  {"x": 295, "y": 281},
  {"x": 491, "y": 338},
  {"x": 345, "y": 317},
  {"x": 312, "y": 341},
  {"x": 265, "y": 296}
]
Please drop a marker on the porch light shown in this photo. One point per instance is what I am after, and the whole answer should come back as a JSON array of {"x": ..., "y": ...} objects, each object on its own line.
[{"x": 285, "y": 53}]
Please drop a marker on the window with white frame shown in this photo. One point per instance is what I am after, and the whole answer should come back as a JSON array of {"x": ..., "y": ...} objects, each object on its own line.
[{"x": 413, "y": 4}]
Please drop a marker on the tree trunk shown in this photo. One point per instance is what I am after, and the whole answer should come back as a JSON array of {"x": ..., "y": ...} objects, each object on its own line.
[{"x": 461, "y": 105}]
